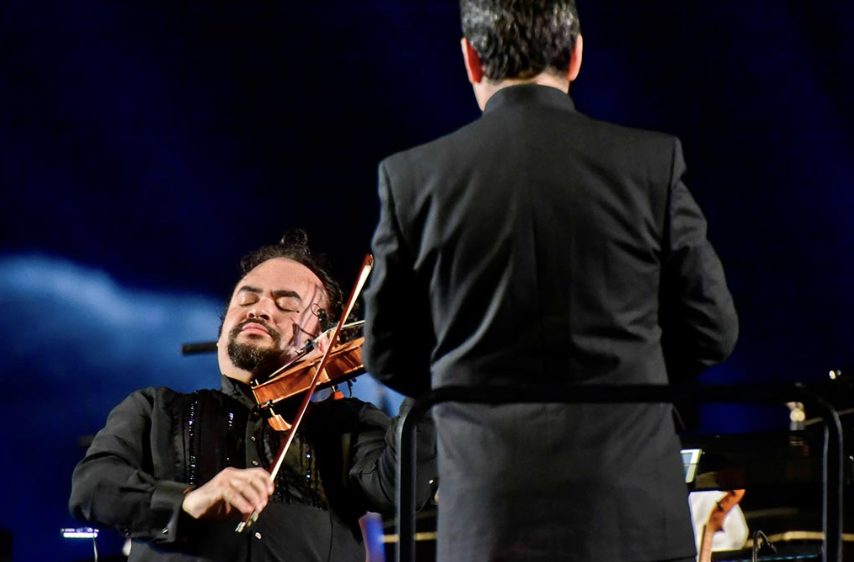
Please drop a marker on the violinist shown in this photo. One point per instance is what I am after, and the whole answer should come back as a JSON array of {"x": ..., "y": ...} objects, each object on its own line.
[{"x": 176, "y": 472}]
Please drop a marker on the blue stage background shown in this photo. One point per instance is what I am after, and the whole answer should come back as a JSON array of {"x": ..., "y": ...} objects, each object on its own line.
[{"x": 144, "y": 146}]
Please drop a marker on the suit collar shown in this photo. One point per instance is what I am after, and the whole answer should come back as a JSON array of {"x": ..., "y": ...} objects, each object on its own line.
[{"x": 529, "y": 93}]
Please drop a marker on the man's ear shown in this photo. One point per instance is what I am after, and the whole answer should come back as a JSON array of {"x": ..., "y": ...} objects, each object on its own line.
[
  {"x": 575, "y": 59},
  {"x": 472, "y": 62}
]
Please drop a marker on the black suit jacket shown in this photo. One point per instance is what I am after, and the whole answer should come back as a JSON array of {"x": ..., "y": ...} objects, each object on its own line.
[{"x": 536, "y": 245}]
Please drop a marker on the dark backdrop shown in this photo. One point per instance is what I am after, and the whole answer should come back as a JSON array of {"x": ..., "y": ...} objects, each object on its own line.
[{"x": 144, "y": 146}]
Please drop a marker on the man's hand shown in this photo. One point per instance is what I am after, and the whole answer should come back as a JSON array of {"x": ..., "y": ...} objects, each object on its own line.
[{"x": 234, "y": 489}]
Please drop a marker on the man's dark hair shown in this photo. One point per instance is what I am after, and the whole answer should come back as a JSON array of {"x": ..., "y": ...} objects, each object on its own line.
[
  {"x": 294, "y": 246},
  {"x": 521, "y": 38}
]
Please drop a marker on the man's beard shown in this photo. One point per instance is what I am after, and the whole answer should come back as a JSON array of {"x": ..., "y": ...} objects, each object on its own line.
[{"x": 257, "y": 360}]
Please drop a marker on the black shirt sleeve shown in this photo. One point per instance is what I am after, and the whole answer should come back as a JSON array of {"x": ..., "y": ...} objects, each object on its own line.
[{"x": 115, "y": 484}]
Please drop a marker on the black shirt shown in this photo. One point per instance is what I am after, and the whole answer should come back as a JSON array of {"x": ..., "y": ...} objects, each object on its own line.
[{"x": 159, "y": 443}]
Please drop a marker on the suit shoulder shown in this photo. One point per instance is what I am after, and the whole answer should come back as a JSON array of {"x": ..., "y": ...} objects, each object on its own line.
[
  {"x": 631, "y": 134},
  {"x": 645, "y": 149},
  {"x": 440, "y": 147}
]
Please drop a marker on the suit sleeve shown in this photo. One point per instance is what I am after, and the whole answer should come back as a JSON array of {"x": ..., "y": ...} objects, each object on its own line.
[
  {"x": 697, "y": 315},
  {"x": 398, "y": 325},
  {"x": 113, "y": 484}
]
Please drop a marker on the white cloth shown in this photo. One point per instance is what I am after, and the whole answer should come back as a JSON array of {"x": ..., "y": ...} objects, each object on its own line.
[{"x": 735, "y": 531}]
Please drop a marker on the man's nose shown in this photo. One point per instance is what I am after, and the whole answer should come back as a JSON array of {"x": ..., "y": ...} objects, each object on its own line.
[{"x": 262, "y": 309}]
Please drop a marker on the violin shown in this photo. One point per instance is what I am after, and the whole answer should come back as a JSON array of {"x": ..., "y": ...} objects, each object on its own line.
[{"x": 345, "y": 362}]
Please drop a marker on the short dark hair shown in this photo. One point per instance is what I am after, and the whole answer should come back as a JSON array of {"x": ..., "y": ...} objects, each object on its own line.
[
  {"x": 521, "y": 38},
  {"x": 294, "y": 246}
]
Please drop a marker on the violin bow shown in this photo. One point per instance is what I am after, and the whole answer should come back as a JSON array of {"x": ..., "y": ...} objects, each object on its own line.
[{"x": 364, "y": 271}]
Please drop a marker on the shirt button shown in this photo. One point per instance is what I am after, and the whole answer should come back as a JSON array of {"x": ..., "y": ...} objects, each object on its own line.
[
  {"x": 258, "y": 535},
  {"x": 252, "y": 438},
  {"x": 255, "y": 463}
]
